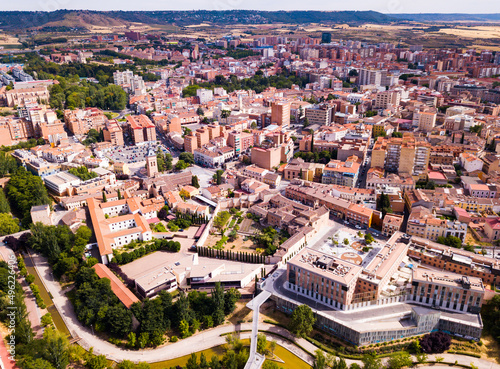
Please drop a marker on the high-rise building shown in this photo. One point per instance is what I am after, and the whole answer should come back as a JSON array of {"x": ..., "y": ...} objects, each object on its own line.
[
  {"x": 386, "y": 99},
  {"x": 405, "y": 155},
  {"x": 326, "y": 37},
  {"x": 280, "y": 113}
]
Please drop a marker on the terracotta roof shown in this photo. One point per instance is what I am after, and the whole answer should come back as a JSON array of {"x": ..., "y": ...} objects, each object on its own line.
[{"x": 119, "y": 289}]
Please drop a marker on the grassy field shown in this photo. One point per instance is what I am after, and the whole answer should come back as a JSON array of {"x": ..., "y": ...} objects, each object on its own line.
[{"x": 290, "y": 360}]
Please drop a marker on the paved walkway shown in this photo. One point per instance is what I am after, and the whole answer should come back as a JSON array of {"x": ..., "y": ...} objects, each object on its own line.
[
  {"x": 34, "y": 315},
  {"x": 201, "y": 341}
]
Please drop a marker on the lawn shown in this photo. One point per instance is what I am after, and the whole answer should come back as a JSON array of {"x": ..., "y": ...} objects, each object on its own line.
[{"x": 291, "y": 361}]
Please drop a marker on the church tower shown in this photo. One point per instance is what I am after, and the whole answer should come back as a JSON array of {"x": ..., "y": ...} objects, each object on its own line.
[{"x": 151, "y": 163}]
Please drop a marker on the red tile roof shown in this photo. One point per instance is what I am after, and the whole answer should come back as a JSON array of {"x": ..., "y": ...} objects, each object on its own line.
[{"x": 119, "y": 289}]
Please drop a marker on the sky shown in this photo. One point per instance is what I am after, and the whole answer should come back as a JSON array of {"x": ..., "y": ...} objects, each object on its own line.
[{"x": 383, "y": 6}]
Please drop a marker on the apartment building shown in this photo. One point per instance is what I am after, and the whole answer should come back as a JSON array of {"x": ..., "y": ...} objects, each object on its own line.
[
  {"x": 113, "y": 133},
  {"x": 387, "y": 99},
  {"x": 213, "y": 156},
  {"x": 342, "y": 173},
  {"x": 322, "y": 277},
  {"x": 423, "y": 223},
  {"x": 280, "y": 113},
  {"x": 298, "y": 168},
  {"x": 470, "y": 163},
  {"x": 405, "y": 155},
  {"x": 311, "y": 194},
  {"x": 14, "y": 130},
  {"x": 80, "y": 121},
  {"x": 22, "y": 96},
  {"x": 448, "y": 291},
  {"x": 240, "y": 141},
  {"x": 391, "y": 224},
  {"x": 322, "y": 115},
  {"x": 269, "y": 158},
  {"x": 426, "y": 120},
  {"x": 141, "y": 129},
  {"x": 454, "y": 260}
]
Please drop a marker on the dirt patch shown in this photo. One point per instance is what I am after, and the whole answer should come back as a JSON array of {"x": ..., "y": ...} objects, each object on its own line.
[{"x": 242, "y": 243}]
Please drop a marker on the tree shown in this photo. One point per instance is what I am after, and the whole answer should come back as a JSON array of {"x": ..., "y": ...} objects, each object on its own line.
[
  {"x": 56, "y": 348},
  {"x": 181, "y": 165},
  {"x": 184, "y": 328},
  {"x": 218, "y": 304},
  {"x": 187, "y": 157},
  {"x": 319, "y": 360},
  {"x": 119, "y": 194},
  {"x": 192, "y": 362},
  {"x": 25, "y": 190},
  {"x": 224, "y": 114},
  {"x": 261, "y": 343},
  {"x": 96, "y": 361},
  {"x": 311, "y": 132},
  {"x": 370, "y": 361},
  {"x": 302, "y": 321},
  {"x": 435, "y": 342},
  {"x": 194, "y": 181},
  {"x": 104, "y": 199},
  {"x": 399, "y": 360},
  {"x": 83, "y": 173},
  {"x": 218, "y": 176},
  {"x": 272, "y": 347},
  {"x": 451, "y": 241},
  {"x": 8, "y": 224},
  {"x": 200, "y": 111},
  {"x": 4, "y": 203},
  {"x": 369, "y": 238}
]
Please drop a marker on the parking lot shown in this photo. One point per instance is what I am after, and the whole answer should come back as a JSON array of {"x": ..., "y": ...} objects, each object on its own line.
[{"x": 132, "y": 154}]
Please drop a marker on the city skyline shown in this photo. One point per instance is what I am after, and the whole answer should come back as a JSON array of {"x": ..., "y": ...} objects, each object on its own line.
[{"x": 386, "y": 6}]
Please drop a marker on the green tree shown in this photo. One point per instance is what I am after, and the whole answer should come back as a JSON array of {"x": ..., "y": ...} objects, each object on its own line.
[
  {"x": 370, "y": 361},
  {"x": 192, "y": 362},
  {"x": 25, "y": 190},
  {"x": 187, "y": 157},
  {"x": 194, "y": 181},
  {"x": 319, "y": 360},
  {"x": 302, "y": 321},
  {"x": 218, "y": 304},
  {"x": 4, "y": 203},
  {"x": 261, "y": 343},
  {"x": 184, "y": 329},
  {"x": 181, "y": 165},
  {"x": 8, "y": 224},
  {"x": 399, "y": 360},
  {"x": 104, "y": 198},
  {"x": 56, "y": 348},
  {"x": 83, "y": 173},
  {"x": 200, "y": 111},
  {"x": 96, "y": 361},
  {"x": 369, "y": 238}
]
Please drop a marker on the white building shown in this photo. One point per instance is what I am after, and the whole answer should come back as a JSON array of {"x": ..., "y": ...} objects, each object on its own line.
[{"x": 204, "y": 95}]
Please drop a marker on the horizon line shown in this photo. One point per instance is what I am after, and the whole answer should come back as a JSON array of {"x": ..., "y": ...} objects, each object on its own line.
[{"x": 225, "y": 10}]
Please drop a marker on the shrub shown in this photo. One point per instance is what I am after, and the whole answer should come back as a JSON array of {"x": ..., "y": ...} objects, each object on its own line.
[
  {"x": 30, "y": 278},
  {"x": 174, "y": 339}
]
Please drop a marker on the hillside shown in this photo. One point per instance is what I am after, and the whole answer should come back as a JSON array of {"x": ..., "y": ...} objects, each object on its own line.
[
  {"x": 457, "y": 17},
  {"x": 86, "y": 18}
]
